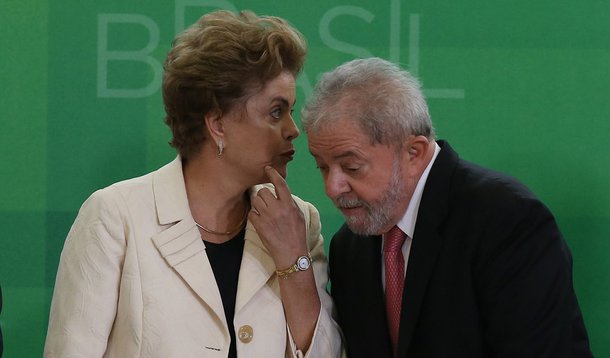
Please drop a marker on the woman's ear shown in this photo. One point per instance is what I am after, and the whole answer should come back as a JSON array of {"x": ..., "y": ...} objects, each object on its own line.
[{"x": 214, "y": 125}]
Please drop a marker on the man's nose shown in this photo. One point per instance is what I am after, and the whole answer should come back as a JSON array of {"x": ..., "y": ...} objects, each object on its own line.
[{"x": 336, "y": 184}]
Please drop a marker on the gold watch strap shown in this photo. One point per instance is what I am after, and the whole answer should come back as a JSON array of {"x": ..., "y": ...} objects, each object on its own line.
[
  {"x": 286, "y": 272},
  {"x": 292, "y": 269}
]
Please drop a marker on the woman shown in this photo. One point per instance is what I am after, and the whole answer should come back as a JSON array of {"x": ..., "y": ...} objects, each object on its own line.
[{"x": 196, "y": 259}]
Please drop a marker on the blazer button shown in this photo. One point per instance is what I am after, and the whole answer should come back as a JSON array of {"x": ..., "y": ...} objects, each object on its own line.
[{"x": 245, "y": 333}]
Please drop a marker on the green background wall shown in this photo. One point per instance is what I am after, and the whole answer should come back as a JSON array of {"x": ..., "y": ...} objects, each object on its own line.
[{"x": 520, "y": 86}]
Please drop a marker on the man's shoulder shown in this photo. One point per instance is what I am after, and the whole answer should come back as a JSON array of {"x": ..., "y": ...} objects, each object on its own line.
[
  {"x": 473, "y": 179},
  {"x": 472, "y": 190},
  {"x": 477, "y": 181}
]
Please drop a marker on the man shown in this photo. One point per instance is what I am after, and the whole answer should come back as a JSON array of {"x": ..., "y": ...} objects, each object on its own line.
[{"x": 438, "y": 257}]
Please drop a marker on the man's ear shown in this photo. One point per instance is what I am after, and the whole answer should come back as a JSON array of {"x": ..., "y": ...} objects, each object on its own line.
[
  {"x": 417, "y": 149},
  {"x": 214, "y": 125}
]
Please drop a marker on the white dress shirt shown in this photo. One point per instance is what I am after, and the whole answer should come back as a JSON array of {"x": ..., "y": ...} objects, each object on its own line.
[{"x": 407, "y": 222}]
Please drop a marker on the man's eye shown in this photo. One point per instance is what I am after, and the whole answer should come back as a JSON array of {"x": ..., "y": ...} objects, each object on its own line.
[{"x": 350, "y": 167}]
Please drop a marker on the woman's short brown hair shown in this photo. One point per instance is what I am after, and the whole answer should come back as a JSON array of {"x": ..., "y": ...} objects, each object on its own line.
[{"x": 213, "y": 64}]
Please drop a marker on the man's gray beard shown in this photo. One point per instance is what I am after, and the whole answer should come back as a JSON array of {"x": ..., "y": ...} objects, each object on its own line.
[{"x": 379, "y": 213}]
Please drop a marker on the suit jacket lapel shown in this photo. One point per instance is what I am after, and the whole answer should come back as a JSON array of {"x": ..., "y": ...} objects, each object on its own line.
[
  {"x": 256, "y": 268},
  {"x": 424, "y": 252},
  {"x": 376, "y": 312},
  {"x": 183, "y": 250},
  {"x": 427, "y": 242},
  {"x": 355, "y": 264},
  {"x": 180, "y": 244}
]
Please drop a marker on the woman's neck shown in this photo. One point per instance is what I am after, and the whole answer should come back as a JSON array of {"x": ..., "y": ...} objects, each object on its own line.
[{"x": 218, "y": 203}]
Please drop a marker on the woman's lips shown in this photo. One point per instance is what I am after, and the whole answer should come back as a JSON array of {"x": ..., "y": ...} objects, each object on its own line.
[{"x": 289, "y": 154}]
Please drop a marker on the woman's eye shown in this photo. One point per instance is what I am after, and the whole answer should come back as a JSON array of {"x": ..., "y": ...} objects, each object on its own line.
[{"x": 276, "y": 113}]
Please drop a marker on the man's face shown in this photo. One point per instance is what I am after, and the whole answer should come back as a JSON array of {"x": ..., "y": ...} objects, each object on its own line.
[{"x": 365, "y": 180}]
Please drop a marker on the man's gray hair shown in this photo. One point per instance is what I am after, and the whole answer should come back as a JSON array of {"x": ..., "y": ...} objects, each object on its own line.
[{"x": 386, "y": 101}]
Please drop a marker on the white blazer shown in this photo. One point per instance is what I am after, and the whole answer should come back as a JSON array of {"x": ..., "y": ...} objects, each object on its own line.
[{"x": 134, "y": 281}]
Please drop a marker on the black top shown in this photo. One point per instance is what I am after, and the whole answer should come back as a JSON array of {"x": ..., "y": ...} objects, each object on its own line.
[{"x": 225, "y": 260}]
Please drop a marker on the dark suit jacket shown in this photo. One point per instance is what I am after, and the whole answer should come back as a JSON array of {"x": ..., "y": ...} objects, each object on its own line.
[{"x": 489, "y": 275}]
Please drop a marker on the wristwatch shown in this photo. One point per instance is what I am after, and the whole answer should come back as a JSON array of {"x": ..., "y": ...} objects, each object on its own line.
[{"x": 302, "y": 264}]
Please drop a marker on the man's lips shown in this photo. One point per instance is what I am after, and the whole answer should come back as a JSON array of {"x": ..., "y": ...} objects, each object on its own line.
[{"x": 349, "y": 210}]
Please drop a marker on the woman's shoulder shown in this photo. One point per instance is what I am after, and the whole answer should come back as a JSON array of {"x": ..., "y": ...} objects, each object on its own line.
[{"x": 137, "y": 189}]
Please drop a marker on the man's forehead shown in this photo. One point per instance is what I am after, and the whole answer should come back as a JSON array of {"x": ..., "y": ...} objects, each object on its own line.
[
  {"x": 337, "y": 145},
  {"x": 340, "y": 126}
]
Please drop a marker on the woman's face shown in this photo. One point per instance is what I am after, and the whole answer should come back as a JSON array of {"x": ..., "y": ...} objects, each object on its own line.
[{"x": 261, "y": 132}]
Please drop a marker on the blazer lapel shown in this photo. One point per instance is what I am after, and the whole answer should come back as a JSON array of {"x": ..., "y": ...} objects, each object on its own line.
[
  {"x": 256, "y": 269},
  {"x": 257, "y": 266},
  {"x": 427, "y": 243},
  {"x": 183, "y": 250},
  {"x": 180, "y": 244}
]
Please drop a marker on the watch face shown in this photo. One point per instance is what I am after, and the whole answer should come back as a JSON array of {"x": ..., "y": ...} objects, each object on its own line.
[{"x": 303, "y": 263}]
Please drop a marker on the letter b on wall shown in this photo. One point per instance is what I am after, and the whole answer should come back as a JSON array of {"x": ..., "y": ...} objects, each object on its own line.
[{"x": 142, "y": 55}]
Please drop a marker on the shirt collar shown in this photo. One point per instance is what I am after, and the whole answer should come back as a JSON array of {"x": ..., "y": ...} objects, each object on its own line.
[{"x": 407, "y": 222}]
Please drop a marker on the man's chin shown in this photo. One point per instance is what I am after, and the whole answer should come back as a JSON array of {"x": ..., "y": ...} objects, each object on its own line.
[
  {"x": 357, "y": 226},
  {"x": 363, "y": 226}
]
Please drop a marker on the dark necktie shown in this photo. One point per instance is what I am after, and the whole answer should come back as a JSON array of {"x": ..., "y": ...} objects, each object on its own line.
[{"x": 394, "y": 280}]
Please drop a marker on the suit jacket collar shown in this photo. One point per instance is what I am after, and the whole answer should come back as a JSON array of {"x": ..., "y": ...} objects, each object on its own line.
[
  {"x": 170, "y": 194},
  {"x": 183, "y": 249},
  {"x": 427, "y": 242}
]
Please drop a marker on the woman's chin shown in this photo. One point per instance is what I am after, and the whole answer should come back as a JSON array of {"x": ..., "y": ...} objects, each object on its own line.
[{"x": 281, "y": 168}]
